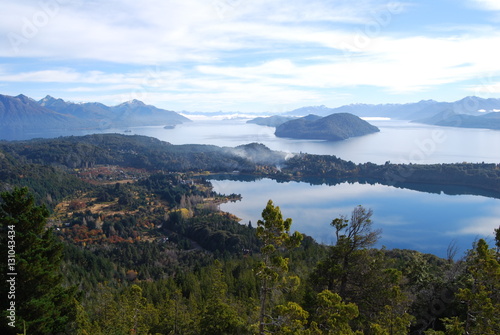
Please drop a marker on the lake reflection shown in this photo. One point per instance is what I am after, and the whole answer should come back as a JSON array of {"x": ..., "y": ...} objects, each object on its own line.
[{"x": 409, "y": 219}]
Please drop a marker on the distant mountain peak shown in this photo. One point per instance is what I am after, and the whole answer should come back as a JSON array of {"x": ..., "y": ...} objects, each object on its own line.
[
  {"x": 22, "y": 97},
  {"x": 48, "y": 97},
  {"x": 135, "y": 102},
  {"x": 52, "y": 103}
]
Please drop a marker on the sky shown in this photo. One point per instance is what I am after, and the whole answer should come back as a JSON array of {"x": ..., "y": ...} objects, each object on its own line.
[{"x": 251, "y": 56}]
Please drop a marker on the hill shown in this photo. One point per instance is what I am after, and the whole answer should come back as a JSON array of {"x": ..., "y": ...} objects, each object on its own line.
[
  {"x": 143, "y": 247},
  {"x": 335, "y": 127}
]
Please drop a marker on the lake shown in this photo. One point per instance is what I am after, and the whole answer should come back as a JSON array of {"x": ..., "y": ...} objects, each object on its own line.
[
  {"x": 409, "y": 219},
  {"x": 398, "y": 141},
  {"x": 427, "y": 222}
]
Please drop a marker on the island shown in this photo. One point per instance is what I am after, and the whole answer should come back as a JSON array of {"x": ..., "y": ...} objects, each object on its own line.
[{"x": 334, "y": 127}]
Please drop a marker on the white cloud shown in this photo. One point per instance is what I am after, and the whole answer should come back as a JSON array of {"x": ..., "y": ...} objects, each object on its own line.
[
  {"x": 222, "y": 52},
  {"x": 403, "y": 64},
  {"x": 487, "y": 4},
  {"x": 162, "y": 31}
]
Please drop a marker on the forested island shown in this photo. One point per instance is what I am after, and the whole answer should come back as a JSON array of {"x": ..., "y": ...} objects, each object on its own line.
[
  {"x": 334, "y": 127},
  {"x": 120, "y": 234}
]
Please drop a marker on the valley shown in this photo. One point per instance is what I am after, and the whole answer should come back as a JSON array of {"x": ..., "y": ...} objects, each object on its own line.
[{"x": 157, "y": 223}]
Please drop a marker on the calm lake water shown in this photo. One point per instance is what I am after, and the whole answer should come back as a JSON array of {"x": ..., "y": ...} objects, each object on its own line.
[{"x": 409, "y": 219}]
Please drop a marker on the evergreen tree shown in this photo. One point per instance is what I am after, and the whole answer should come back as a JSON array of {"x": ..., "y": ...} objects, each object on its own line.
[
  {"x": 351, "y": 265},
  {"x": 394, "y": 318},
  {"x": 332, "y": 315},
  {"x": 219, "y": 317},
  {"x": 274, "y": 233},
  {"x": 353, "y": 238},
  {"x": 137, "y": 315},
  {"x": 497, "y": 241},
  {"x": 482, "y": 294},
  {"x": 360, "y": 274},
  {"x": 291, "y": 320},
  {"x": 42, "y": 305}
]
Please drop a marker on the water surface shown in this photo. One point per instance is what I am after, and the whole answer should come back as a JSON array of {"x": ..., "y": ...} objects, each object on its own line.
[
  {"x": 397, "y": 141},
  {"x": 409, "y": 219}
]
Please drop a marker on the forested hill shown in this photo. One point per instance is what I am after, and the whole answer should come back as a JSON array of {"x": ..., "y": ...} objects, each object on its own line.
[
  {"x": 139, "y": 152},
  {"x": 456, "y": 178},
  {"x": 335, "y": 127},
  {"x": 148, "y": 153}
]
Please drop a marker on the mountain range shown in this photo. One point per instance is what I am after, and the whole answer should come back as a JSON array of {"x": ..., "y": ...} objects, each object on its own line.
[
  {"x": 410, "y": 111},
  {"x": 22, "y": 117},
  {"x": 21, "y": 114}
]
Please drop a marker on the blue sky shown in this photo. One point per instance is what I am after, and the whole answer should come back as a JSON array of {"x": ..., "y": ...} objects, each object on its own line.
[{"x": 251, "y": 56}]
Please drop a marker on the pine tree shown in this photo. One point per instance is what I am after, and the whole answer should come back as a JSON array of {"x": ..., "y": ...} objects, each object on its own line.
[
  {"x": 332, "y": 315},
  {"x": 42, "y": 305},
  {"x": 274, "y": 233},
  {"x": 219, "y": 317},
  {"x": 482, "y": 296},
  {"x": 497, "y": 241},
  {"x": 137, "y": 315}
]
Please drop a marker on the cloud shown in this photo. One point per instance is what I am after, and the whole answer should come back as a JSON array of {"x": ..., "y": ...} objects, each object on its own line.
[
  {"x": 487, "y": 4},
  {"x": 166, "y": 31},
  {"x": 224, "y": 53}
]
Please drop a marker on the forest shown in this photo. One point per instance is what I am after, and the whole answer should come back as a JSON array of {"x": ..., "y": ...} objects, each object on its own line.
[{"x": 121, "y": 234}]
